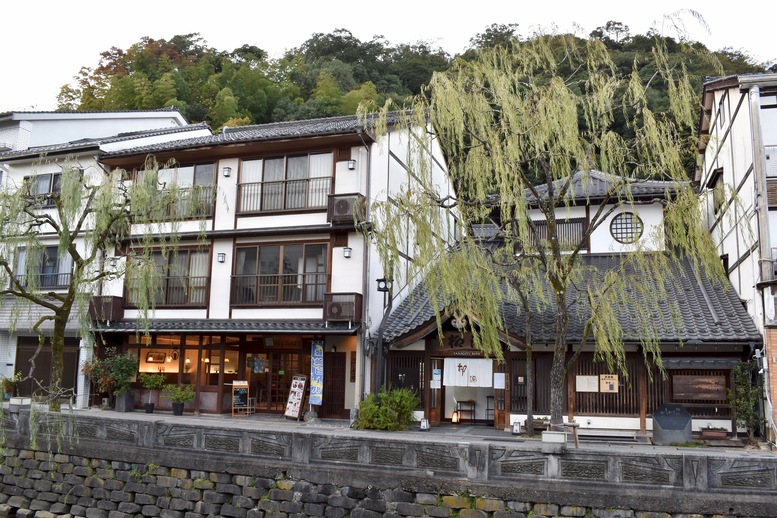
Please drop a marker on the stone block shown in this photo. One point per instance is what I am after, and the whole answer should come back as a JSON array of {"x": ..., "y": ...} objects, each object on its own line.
[
  {"x": 280, "y": 494},
  {"x": 370, "y": 504},
  {"x": 169, "y": 513},
  {"x": 472, "y": 513},
  {"x": 202, "y": 483},
  {"x": 247, "y": 503},
  {"x": 397, "y": 495},
  {"x": 546, "y": 509},
  {"x": 19, "y": 502},
  {"x": 192, "y": 495},
  {"x": 144, "y": 499},
  {"x": 25, "y": 513},
  {"x": 179, "y": 473},
  {"x": 121, "y": 496},
  {"x": 365, "y": 513},
  {"x": 314, "y": 510},
  {"x": 353, "y": 492},
  {"x": 42, "y": 485},
  {"x": 254, "y": 493},
  {"x": 229, "y": 489},
  {"x": 150, "y": 510},
  {"x": 340, "y": 501},
  {"x": 269, "y": 506},
  {"x": 129, "y": 508},
  {"x": 163, "y": 502},
  {"x": 285, "y": 485},
  {"x": 39, "y": 505},
  {"x": 254, "y": 513},
  {"x": 94, "y": 512},
  {"x": 107, "y": 505},
  {"x": 233, "y": 511},
  {"x": 87, "y": 501},
  {"x": 455, "y": 502},
  {"x": 114, "y": 485},
  {"x": 192, "y": 514},
  {"x": 650, "y": 514},
  {"x": 77, "y": 510},
  {"x": 572, "y": 510},
  {"x": 212, "y": 497},
  {"x": 409, "y": 509},
  {"x": 207, "y": 508},
  {"x": 168, "y": 482},
  {"x": 179, "y": 504},
  {"x": 153, "y": 489},
  {"x": 289, "y": 507},
  {"x": 489, "y": 505},
  {"x": 45, "y": 514},
  {"x": 425, "y": 498},
  {"x": 220, "y": 478},
  {"x": 335, "y": 512},
  {"x": 438, "y": 512},
  {"x": 60, "y": 508}
]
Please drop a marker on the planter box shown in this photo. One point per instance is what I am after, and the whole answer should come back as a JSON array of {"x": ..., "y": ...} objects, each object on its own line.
[
  {"x": 554, "y": 442},
  {"x": 540, "y": 425},
  {"x": 713, "y": 435},
  {"x": 125, "y": 402}
]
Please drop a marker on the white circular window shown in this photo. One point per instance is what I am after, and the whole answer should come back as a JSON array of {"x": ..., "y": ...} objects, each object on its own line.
[{"x": 626, "y": 228}]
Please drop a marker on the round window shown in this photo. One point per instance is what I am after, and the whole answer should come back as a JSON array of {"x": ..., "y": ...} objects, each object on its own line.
[{"x": 626, "y": 228}]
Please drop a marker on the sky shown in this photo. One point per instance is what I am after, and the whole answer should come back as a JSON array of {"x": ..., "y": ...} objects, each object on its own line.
[{"x": 46, "y": 43}]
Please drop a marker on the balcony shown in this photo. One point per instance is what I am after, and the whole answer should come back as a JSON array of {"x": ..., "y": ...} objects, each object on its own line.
[
  {"x": 285, "y": 195},
  {"x": 196, "y": 202},
  {"x": 346, "y": 208},
  {"x": 181, "y": 291},
  {"x": 279, "y": 290},
  {"x": 47, "y": 280},
  {"x": 106, "y": 309},
  {"x": 343, "y": 307}
]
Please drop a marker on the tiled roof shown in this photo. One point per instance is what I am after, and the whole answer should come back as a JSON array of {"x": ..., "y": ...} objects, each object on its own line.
[
  {"x": 79, "y": 112},
  {"x": 594, "y": 185},
  {"x": 92, "y": 143},
  {"x": 708, "y": 312},
  {"x": 272, "y": 131},
  {"x": 231, "y": 326}
]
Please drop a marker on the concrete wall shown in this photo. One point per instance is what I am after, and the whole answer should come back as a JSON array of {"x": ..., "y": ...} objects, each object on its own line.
[{"x": 255, "y": 469}]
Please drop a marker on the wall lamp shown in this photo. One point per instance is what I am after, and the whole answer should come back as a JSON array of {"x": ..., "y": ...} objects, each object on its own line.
[
  {"x": 227, "y": 172},
  {"x": 222, "y": 257},
  {"x": 351, "y": 164},
  {"x": 347, "y": 252},
  {"x": 113, "y": 261}
]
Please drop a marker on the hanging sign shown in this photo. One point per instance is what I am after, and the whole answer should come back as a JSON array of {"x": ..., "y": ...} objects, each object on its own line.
[{"x": 317, "y": 373}]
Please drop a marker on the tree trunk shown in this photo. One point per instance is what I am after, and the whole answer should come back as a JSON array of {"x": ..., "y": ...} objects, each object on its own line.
[
  {"x": 529, "y": 392},
  {"x": 57, "y": 363},
  {"x": 558, "y": 370}
]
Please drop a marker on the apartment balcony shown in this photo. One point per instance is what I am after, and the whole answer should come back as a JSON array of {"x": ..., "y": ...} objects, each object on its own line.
[
  {"x": 196, "y": 202},
  {"x": 279, "y": 290},
  {"x": 346, "y": 208},
  {"x": 343, "y": 307},
  {"x": 285, "y": 195},
  {"x": 175, "y": 292},
  {"x": 46, "y": 280}
]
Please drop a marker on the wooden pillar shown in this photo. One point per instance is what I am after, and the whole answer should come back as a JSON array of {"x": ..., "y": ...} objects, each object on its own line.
[
  {"x": 642, "y": 389},
  {"x": 570, "y": 395}
]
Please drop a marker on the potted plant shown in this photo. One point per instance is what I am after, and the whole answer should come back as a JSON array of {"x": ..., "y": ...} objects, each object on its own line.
[
  {"x": 8, "y": 386},
  {"x": 152, "y": 382},
  {"x": 113, "y": 374},
  {"x": 178, "y": 395}
]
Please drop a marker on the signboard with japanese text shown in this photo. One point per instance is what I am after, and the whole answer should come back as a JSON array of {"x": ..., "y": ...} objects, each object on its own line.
[
  {"x": 296, "y": 397},
  {"x": 587, "y": 383},
  {"x": 608, "y": 383},
  {"x": 317, "y": 373}
]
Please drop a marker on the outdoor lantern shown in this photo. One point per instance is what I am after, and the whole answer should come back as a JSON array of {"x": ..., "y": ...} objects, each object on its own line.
[
  {"x": 351, "y": 164},
  {"x": 516, "y": 427},
  {"x": 455, "y": 416},
  {"x": 222, "y": 257},
  {"x": 383, "y": 285},
  {"x": 227, "y": 172},
  {"x": 424, "y": 424},
  {"x": 347, "y": 252}
]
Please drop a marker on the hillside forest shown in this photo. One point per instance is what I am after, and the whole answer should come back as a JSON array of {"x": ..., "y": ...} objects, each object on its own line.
[{"x": 329, "y": 74}]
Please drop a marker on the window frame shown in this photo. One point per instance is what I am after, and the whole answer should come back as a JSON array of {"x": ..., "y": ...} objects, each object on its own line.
[
  {"x": 310, "y": 284},
  {"x": 282, "y": 194},
  {"x": 636, "y": 236},
  {"x": 189, "y": 292},
  {"x": 46, "y": 199},
  {"x": 58, "y": 273}
]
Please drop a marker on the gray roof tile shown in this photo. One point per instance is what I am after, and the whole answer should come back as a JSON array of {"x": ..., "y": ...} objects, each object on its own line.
[
  {"x": 230, "y": 326},
  {"x": 709, "y": 312}
]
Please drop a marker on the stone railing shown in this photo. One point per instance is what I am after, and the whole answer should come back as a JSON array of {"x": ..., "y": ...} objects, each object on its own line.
[{"x": 629, "y": 477}]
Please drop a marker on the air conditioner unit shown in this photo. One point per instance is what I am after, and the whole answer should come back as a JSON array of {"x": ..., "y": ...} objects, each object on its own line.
[
  {"x": 343, "y": 207},
  {"x": 343, "y": 307}
]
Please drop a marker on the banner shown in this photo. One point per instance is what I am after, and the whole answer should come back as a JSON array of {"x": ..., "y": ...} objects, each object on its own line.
[{"x": 317, "y": 373}]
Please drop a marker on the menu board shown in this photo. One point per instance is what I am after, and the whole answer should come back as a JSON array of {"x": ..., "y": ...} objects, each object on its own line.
[
  {"x": 240, "y": 398},
  {"x": 296, "y": 397}
]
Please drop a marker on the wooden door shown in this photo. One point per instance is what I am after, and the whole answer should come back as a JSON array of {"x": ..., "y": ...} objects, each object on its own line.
[
  {"x": 333, "y": 402},
  {"x": 434, "y": 410}
]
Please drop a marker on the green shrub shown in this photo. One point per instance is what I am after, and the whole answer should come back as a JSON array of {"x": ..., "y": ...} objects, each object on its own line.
[{"x": 388, "y": 410}]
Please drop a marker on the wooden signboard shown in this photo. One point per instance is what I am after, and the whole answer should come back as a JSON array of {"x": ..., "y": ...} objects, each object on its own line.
[
  {"x": 705, "y": 388},
  {"x": 608, "y": 383},
  {"x": 296, "y": 397},
  {"x": 240, "y": 398}
]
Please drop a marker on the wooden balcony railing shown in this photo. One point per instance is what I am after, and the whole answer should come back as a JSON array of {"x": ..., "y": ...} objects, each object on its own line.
[
  {"x": 308, "y": 193},
  {"x": 47, "y": 280},
  {"x": 283, "y": 289},
  {"x": 175, "y": 291}
]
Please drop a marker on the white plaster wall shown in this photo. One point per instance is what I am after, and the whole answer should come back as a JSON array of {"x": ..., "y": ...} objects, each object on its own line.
[{"x": 58, "y": 130}]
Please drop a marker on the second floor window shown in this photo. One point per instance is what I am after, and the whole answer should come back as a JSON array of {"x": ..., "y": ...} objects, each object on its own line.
[
  {"x": 44, "y": 186},
  {"x": 45, "y": 268},
  {"x": 285, "y": 183},
  {"x": 196, "y": 194},
  {"x": 184, "y": 280},
  {"x": 280, "y": 274}
]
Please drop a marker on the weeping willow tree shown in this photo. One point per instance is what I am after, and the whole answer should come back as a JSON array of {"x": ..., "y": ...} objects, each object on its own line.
[
  {"x": 525, "y": 131},
  {"x": 56, "y": 239}
]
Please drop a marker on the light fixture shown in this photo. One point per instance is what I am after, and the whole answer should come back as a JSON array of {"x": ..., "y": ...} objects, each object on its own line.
[
  {"x": 424, "y": 424},
  {"x": 347, "y": 252},
  {"x": 149, "y": 358},
  {"x": 169, "y": 359},
  {"x": 227, "y": 172},
  {"x": 113, "y": 261},
  {"x": 226, "y": 360},
  {"x": 383, "y": 285},
  {"x": 207, "y": 360},
  {"x": 188, "y": 360},
  {"x": 334, "y": 349},
  {"x": 516, "y": 427},
  {"x": 351, "y": 164},
  {"x": 455, "y": 416},
  {"x": 222, "y": 257}
]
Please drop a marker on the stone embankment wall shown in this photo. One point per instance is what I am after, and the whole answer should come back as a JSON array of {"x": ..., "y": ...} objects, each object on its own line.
[{"x": 110, "y": 466}]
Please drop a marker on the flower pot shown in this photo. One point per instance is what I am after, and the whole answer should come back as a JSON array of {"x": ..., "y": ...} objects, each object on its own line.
[
  {"x": 125, "y": 402},
  {"x": 178, "y": 408},
  {"x": 149, "y": 407}
]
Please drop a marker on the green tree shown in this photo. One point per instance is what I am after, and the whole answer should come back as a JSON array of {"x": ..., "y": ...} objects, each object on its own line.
[
  {"x": 745, "y": 397},
  {"x": 544, "y": 109},
  {"x": 71, "y": 228}
]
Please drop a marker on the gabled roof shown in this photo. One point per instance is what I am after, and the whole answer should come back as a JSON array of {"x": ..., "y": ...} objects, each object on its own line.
[
  {"x": 709, "y": 312},
  {"x": 594, "y": 185},
  {"x": 348, "y": 124},
  {"x": 56, "y": 114},
  {"x": 86, "y": 144}
]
